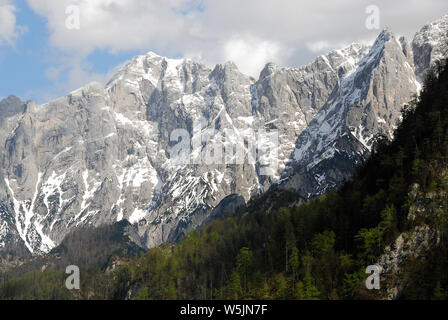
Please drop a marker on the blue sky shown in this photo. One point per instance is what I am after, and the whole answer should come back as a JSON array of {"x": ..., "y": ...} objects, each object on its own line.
[
  {"x": 23, "y": 64},
  {"x": 41, "y": 59},
  {"x": 23, "y": 67}
]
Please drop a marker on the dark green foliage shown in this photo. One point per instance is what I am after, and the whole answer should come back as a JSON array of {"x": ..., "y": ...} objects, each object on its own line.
[{"x": 49, "y": 285}]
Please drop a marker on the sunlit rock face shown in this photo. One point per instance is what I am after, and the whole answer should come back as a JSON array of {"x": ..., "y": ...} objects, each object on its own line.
[{"x": 105, "y": 153}]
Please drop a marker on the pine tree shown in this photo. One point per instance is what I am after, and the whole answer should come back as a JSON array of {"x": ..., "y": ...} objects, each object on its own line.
[
  {"x": 234, "y": 289},
  {"x": 439, "y": 293},
  {"x": 294, "y": 262},
  {"x": 310, "y": 291},
  {"x": 244, "y": 265}
]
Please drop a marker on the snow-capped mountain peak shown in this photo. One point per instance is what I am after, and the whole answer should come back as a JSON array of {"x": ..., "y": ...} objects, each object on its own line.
[
  {"x": 430, "y": 44},
  {"x": 104, "y": 154}
]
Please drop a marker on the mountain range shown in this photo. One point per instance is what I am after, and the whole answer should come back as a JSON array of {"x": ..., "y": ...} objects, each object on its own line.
[{"x": 101, "y": 154}]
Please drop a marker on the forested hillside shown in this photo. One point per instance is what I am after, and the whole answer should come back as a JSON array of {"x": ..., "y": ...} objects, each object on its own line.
[{"x": 318, "y": 250}]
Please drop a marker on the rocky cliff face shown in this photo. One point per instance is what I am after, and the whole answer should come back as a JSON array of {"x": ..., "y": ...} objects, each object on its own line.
[
  {"x": 366, "y": 101},
  {"x": 425, "y": 216},
  {"x": 429, "y": 45},
  {"x": 104, "y": 154}
]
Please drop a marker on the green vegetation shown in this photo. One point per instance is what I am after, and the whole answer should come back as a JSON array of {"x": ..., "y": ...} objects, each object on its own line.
[{"x": 318, "y": 250}]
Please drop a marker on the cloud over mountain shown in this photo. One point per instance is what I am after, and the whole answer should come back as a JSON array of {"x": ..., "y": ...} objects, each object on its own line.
[
  {"x": 9, "y": 30},
  {"x": 249, "y": 32}
]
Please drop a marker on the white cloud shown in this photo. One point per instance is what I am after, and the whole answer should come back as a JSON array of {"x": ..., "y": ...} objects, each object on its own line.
[
  {"x": 116, "y": 25},
  {"x": 251, "y": 54},
  {"x": 320, "y": 46},
  {"x": 251, "y": 32},
  {"x": 113, "y": 25},
  {"x": 9, "y": 30},
  {"x": 72, "y": 72}
]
